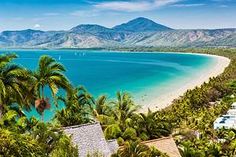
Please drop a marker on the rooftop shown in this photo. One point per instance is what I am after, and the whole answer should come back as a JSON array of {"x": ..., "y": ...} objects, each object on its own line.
[
  {"x": 165, "y": 145},
  {"x": 228, "y": 120},
  {"x": 90, "y": 139}
]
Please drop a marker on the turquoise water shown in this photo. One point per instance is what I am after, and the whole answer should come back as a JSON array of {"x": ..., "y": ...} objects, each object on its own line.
[{"x": 105, "y": 72}]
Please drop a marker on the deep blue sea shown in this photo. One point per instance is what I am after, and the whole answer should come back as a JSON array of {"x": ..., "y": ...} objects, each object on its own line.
[{"x": 103, "y": 72}]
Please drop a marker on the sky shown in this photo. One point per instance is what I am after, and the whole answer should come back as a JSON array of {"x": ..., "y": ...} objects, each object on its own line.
[{"x": 65, "y": 14}]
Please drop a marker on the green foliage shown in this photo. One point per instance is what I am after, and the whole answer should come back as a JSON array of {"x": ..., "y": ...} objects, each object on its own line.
[
  {"x": 14, "y": 144},
  {"x": 22, "y": 137},
  {"x": 112, "y": 131},
  {"x": 64, "y": 148},
  {"x": 95, "y": 154},
  {"x": 129, "y": 134},
  {"x": 77, "y": 111},
  {"x": 156, "y": 153},
  {"x": 137, "y": 149},
  {"x": 152, "y": 125},
  {"x": 232, "y": 85},
  {"x": 48, "y": 74},
  {"x": 13, "y": 84}
]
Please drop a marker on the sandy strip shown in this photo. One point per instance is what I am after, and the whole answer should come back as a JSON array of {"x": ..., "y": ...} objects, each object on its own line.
[{"x": 166, "y": 99}]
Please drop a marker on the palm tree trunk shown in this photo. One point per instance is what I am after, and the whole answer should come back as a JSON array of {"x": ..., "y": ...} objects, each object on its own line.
[
  {"x": 1, "y": 111},
  {"x": 42, "y": 92},
  {"x": 42, "y": 116}
]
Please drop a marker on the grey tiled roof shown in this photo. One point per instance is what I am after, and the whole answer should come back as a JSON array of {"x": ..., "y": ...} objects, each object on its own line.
[
  {"x": 90, "y": 139},
  {"x": 113, "y": 145}
]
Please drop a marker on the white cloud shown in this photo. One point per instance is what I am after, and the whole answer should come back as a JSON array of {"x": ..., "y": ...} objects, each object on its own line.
[
  {"x": 37, "y": 26},
  {"x": 134, "y": 6},
  {"x": 125, "y": 6},
  {"x": 160, "y": 3},
  {"x": 189, "y": 5}
]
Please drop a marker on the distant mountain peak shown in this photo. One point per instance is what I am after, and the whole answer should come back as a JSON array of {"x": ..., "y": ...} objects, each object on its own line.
[
  {"x": 142, "y": 18},
  {"x": 141, "y": 24}
]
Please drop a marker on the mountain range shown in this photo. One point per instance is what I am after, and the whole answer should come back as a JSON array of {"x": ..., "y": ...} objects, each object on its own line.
[{"x": 140, "y": 32}]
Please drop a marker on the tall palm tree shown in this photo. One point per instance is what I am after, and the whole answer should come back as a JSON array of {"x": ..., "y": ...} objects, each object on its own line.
[
  {"x": 13, "y": 83},
  {"x": 77, "y": 111},
  {"x": 124, "y": 107},
  {"x": 152, "y": 125},
  {"x": 121, "y": 116},
  {"x": 48, "y": 74}
]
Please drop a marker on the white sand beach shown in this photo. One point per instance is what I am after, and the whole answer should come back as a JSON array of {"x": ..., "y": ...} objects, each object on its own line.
[{"x": 166, "y": 99}]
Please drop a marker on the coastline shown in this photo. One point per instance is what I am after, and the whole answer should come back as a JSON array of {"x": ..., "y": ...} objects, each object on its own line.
[{"x": 165, "y": 100}]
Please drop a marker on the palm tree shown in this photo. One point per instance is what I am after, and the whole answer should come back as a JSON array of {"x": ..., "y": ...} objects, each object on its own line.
[
  {"x": 133, "y": 149},
  {"x": 48, "y": 74},
  {"x": 77, "y": 111},
  {"x": 13, "y": 83},
  {"x": 187, "y": 151},
  {"x": 102, "y": 106},
  {"x": 79, "y": 97},
  {"x": 214, "y": 150},
  {"x": 118, "y": 122},
  {"x": 152, "y": 125},
  {"x": 124, "y": 108}
]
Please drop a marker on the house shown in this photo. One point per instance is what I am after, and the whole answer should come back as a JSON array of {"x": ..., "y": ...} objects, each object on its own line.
[
  {"x": 165, "y": 145},
  {"x": 90, "y": 139},
  {"x": 233, "y": 106},
  {"x": 227, "y": 121}
]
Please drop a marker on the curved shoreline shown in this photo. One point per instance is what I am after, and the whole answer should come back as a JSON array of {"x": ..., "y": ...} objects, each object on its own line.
[{"x": 165, "y": 100}]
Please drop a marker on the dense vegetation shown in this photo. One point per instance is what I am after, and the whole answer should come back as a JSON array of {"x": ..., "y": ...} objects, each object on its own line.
[
  {"x": 189, "y": 119},
  {"x": 20, "y": 90}
]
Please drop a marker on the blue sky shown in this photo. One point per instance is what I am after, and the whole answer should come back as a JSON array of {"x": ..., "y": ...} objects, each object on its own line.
[{"x": 64, "y": 14}]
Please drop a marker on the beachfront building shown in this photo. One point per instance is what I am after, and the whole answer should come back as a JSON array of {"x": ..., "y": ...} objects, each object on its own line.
[
  {"x": 227, "y": 121},
  {"x": 90, "y": 140}
]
